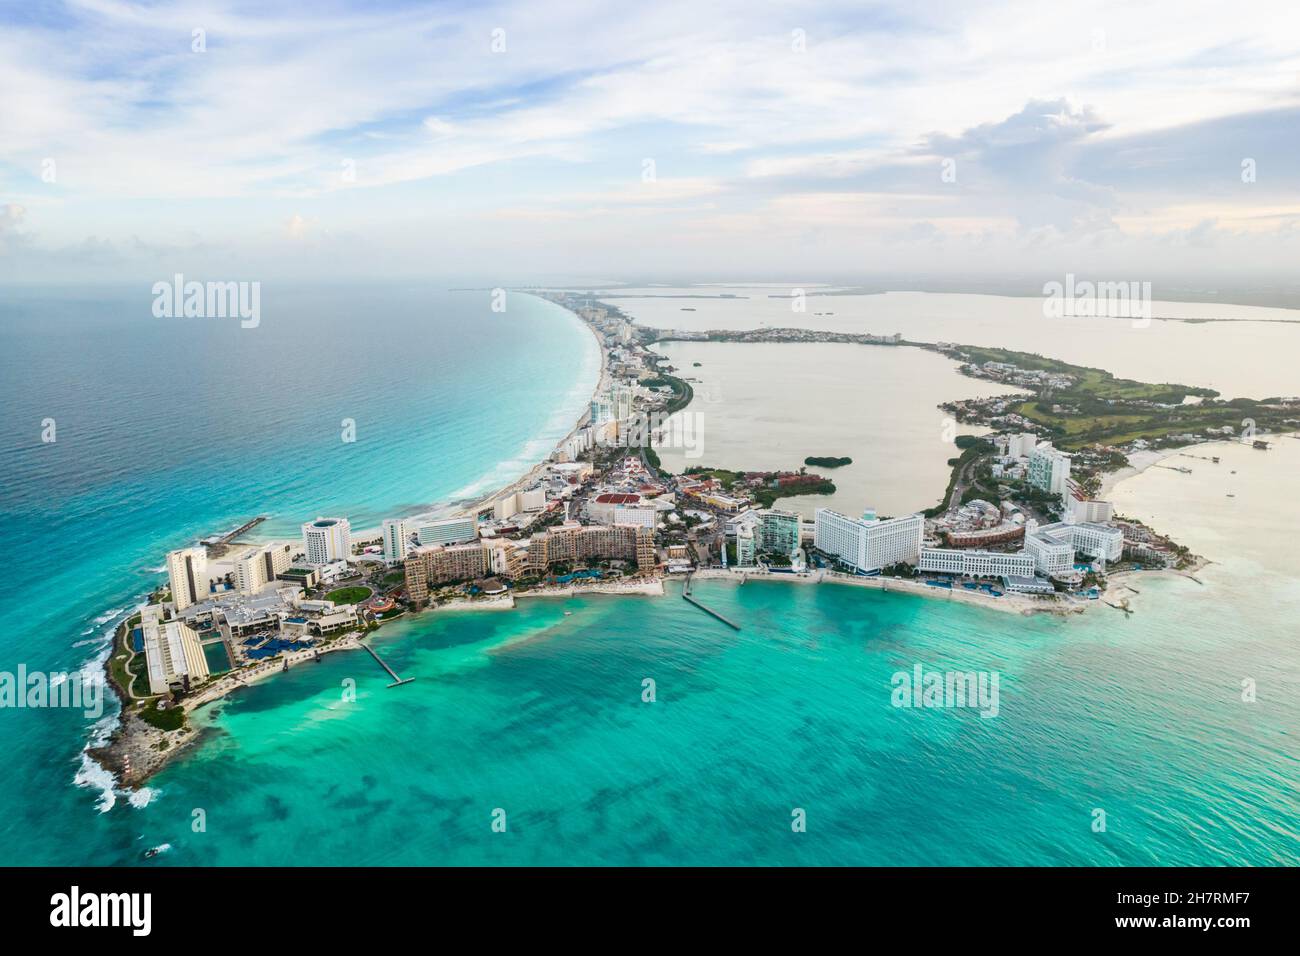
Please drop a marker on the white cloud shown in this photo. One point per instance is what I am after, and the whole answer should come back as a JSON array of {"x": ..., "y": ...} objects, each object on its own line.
[{"x": 841, "y": 139}]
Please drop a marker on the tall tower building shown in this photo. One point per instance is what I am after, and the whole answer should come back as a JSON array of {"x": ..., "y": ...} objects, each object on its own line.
[
  {"x": 396, "y": 540},
  {"x": 326, "y": 540},
  {"x": 187, "y": 571}
]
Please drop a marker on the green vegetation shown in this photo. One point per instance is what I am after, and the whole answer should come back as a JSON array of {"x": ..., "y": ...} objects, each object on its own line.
[
  {"x": 682, "y": 391},
  {"x": 652, "y": 457},
  {"x": 1092, "y": 383},
  {"x": 349, "y": 595},
  {"x": 979, "y": 448},
  {"x": 724, "y": 477},
  {"x": 1102, "y": 409},
  {"x": 898, "y": 571},
  {"x": 173, "y": 718},
  {"x": 766, "y": 496},
  {"x": 817, "y": 462}
]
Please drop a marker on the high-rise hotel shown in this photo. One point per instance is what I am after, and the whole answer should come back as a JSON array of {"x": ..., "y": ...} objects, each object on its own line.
[
  {"x": 187, "y": 571},
  {"x": 867, "y": 543},
  {"x": 326, "y": 540},
  {"x": 396, "y": 540}
]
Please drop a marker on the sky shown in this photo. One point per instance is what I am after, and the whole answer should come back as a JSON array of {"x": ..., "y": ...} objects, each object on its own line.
[{"x": 504, "y": 143}]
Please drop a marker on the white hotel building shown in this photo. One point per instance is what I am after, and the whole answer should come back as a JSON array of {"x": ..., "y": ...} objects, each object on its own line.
[
  {"x": 1049, "y": 469},
  {"x": 976, "y": 563},
  {"x": 868, "y": 543},
  {"x": 448, "y": 531},
  {"x": 326, "y": 540},
  {"x": 257, "y": 567},
  {"x": 187, "y": 573},
  {"x": 1054, "y": 545},
  {"x": 396, "y": 540},
  {"x": 172, "y": 651}
]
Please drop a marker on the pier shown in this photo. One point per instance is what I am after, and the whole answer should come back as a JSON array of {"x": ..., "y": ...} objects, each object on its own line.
[
  {"x": 397, "y": 678},
  {"x": 243, "y": 529},
  {"x": 686, "y": 595},
  {"x": 218, "y": 544}
]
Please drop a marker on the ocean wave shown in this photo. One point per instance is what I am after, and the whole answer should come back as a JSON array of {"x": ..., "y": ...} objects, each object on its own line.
[
  {"x": 141, "y": 798},
  {"x": 94, "y": 777},
  {"x": 107, "y": 616}
]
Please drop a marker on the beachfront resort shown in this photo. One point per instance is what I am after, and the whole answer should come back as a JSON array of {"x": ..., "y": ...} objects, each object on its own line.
[{"x": 1020, "y": 529}]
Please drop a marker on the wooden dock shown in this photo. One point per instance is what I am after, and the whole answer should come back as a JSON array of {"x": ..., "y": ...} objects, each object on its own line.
[{"x": 397, "y": 679}]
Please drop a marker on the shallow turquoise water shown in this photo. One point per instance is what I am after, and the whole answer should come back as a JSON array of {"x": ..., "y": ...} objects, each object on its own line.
[
  {"x": 171, "y": 429},
  {"x": 540, "y": 714}
]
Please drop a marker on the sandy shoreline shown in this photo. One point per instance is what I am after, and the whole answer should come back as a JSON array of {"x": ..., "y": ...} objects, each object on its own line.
[
  {"x": 1008, "y": 603},
  {"x": 471, "y": 506},
  {"x": 137, "y": 750}
]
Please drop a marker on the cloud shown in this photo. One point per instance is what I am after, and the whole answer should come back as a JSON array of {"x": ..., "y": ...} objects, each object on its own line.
[{"x": 1059, "y": 143}]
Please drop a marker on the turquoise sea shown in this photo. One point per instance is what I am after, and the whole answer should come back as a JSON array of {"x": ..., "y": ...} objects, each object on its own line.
[{"x": 537, "y": 714}]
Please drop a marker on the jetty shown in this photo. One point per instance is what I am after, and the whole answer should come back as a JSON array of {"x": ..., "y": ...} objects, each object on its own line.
[
  {"x": 397, "y": 678},
  {"x": 686, "y": 595},
  {"x": 217, "y": 544}
]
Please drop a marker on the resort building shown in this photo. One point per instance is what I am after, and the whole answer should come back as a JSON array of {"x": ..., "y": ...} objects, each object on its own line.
[
  {"x": 187, "y": 572},
  {"x": 343, "y": 617},
  {"x": 1052, "y": 556},
  {"x": 746, "y": 550},
  {"x": 642, "y": 515},
  {"x": 777, "y": 531},
  {"x": 978, "y": 564},
  {"x": 1094, "y": 540},
  {"x": 1081, "y": 509},
  {"x": 448, "y": 531},
  {"x": 1022, "y": 445},
  {"x": 173, "y": 654},
  {"x": 1049, "y": 469},
  {"x": 603, "y": 507},
  {"x": 867, "y": 543},
  {"x": 534, "y": 499},
  {"x": 258, "y": 567},
  {"x": 443, "y": 564},
  {"x": 327, "y": 539},
  {"x": 396, "y": 541},
  {"x": 572, "y": 543},
  {"x": 506, "y": 558},
  {"x": 506, "y": 507}
]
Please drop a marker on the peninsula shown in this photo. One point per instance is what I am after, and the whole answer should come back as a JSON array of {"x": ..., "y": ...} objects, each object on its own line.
[{"x": 1021, "y": 528}]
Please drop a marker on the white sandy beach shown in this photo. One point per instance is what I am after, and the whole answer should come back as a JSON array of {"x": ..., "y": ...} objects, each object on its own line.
[{"x": 1009, "y": 603}]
